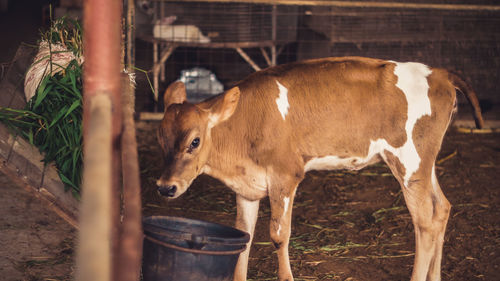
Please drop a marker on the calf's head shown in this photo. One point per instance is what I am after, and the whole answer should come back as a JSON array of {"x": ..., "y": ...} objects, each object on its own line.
[{"x": 185, "y": 135}]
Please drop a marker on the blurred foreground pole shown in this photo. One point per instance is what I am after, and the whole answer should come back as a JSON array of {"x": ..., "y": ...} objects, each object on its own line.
[{"x": 102, "y": 126}]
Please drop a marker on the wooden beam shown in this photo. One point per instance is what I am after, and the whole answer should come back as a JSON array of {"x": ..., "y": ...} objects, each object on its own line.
[
  {"x": 359, "y": 4},
  {"x": 214, "y": 45},
  {"x": 130, "y": 249},
  {"x": 266, "y": 56},
  {"x": 248, "y": 59}
]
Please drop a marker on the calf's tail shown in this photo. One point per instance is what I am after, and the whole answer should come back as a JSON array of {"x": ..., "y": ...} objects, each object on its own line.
[{"x": 471, "y": 97}]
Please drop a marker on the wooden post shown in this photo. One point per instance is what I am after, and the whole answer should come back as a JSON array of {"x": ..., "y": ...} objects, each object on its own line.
[
  {"x": 157, "y": 64},
  {"x": 130, "y": 248},
  {"x": 273, "y": 35},
  {"x": 162, "y": 46},
  {"x": 156, "y": 71},
  {"x": 130, "y": 35}
]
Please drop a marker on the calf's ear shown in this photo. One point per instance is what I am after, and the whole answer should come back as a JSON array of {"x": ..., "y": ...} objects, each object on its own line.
[
  {"x": 224, "y": 107},
  {"x": 175, "y": 94}
]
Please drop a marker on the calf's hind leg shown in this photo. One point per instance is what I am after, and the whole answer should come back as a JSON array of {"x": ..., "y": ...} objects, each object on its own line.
[{"x": 429, "y": 211}]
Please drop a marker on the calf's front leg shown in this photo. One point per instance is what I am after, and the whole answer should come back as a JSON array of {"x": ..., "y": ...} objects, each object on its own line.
[
  {"x": 281, "y": 200},
  {"x": 246, "y": 217}
]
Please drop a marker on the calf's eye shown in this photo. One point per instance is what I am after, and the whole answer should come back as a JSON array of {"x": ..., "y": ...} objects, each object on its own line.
[{"x": 195, "y": 143}]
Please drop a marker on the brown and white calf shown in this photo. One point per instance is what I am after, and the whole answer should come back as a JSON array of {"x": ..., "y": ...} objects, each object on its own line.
[{"x": 263, "y": 135}]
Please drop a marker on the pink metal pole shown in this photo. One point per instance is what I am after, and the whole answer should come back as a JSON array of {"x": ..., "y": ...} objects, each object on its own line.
[{"x": 102, "y": 50}]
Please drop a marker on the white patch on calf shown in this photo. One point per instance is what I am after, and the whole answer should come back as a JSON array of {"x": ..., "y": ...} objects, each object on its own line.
[
  {"x": 251, "y": 208},
  {"x": 412, "y": 80},
  {"x": 434, "y": 178},
  {"x": 353, "y": 163},
  {"x": 435, "y": 184},
  {"x": 253, "y": 184},
  {"x": 407, "y": 155},
  {"x": 282, "y": 100},
  {"x": 326, "y": 163},
  {"x": 286, "y": 202}
]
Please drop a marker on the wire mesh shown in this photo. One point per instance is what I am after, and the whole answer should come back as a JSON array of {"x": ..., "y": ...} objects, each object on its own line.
[{"x": 466, "y": 41}]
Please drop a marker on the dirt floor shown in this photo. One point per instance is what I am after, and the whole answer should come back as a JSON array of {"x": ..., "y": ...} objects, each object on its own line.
[
  {"x": 346, "y": 225},
  {"x": 354, "y": 225},
  {"x": 35, "y": 244}
]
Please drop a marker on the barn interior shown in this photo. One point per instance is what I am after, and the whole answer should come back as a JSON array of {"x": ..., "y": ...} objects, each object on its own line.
[{"x": 213, "y": 46}]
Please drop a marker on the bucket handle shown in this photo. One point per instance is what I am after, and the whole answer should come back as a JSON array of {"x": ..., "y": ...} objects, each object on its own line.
[{"x": 195, "y": 251}]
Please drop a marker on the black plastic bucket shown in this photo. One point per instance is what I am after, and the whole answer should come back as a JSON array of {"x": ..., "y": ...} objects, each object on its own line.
[{"x": 180, "y": 249}]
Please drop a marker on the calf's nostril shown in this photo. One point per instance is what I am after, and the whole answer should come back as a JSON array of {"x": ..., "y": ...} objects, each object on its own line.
[
  {"x": 172, "y": 191},
  {"x": 168, "y": 191}
]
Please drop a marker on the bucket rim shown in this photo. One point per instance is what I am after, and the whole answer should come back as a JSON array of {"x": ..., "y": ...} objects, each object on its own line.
[
  {"x": 197, "y": 251},
  {"x": 149, "y": 227}
]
